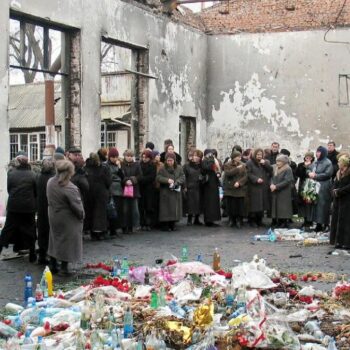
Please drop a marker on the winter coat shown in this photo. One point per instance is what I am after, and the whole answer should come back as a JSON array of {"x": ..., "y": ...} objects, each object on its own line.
[
  {"x": 42, "y": 204},
  {"x": 117, "y": 176},
  {"x": 324, "y": 172},
  {"x": 132, "y": 172},
  {"x": 193, "y": 177},
  {"x": 235, "y": 173},
  {"x": 259, "y": 194},
  {"x": 178, "y": 158},
  {"x": 210, "y": 192},
  {"x": 272, "y": 158},
  {"x": 340, "y": 225},
  {"x": 170, "y": 201},
  {"x": 66, "y": 214},
  {"x": 21, "y": 188},
  {"x": 332, "y": 156},
  {"x": 281, "y": 206},
  {"x": 147, "y": 185},
  {"x": 100, "y": 181},
  {"x": 305, "y": 210}
]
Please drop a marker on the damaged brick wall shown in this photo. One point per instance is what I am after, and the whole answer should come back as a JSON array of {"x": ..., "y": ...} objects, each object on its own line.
[{"x": 274, "y": 15}]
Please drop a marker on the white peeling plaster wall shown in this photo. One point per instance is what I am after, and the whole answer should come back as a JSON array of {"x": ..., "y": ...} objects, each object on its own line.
[{"x": 277, "y": 86}]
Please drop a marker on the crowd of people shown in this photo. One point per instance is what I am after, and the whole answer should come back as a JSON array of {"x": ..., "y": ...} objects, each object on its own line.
[{"x": 110, "y": 195}]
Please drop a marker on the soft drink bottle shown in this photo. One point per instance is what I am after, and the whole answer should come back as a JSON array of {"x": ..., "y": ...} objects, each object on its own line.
[
  {"x": 128, "y": 323},
  {"x": 216, "y": 260},
  {"x": 154, "y": 300},
  {"x": 48, "y": 277},
  {"x": 125, "y": 268},
  {"x": 28, "y": 288},
  {"x": 184, "y": 254}
]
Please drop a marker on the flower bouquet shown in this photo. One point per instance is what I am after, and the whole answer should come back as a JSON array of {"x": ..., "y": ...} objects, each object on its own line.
[{"x": 310, "y": 191}]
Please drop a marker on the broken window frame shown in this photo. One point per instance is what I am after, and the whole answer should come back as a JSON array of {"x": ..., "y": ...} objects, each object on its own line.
[{"x": 345, "y": 78}]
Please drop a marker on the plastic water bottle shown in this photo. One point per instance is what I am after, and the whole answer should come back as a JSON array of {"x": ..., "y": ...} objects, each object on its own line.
[
  {"x": 229, "y": 295},
  {"x": 199, "y": 258},
  {"x": 27, "y": 339},
  {"x": 261, "y": 238},
  {"x": 184, "y": 254},
  {"x": 272, "y": 235},
  {"x": 28, "y": 288},
  {"x": 125, "y": 268},
  {"x": 162, "y": 297},
  {"x": 128, "y": 323},
  {"x": 175, "y": 308},
  {"x": 116, "y": 267}
]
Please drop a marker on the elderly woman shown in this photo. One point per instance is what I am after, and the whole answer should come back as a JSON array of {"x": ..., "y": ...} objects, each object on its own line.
[
  {"x": 235, "y": 188},
  {"x": 340, "y": 225},
  {"x": 171, "y": 177},
  {"x": 192, "y": 171},
  {"x": 66, "y": 215},
  {"x": 281, "y": 190},
  {"x": 322, "y": 171},
  {"x": 19, "y": 228}
]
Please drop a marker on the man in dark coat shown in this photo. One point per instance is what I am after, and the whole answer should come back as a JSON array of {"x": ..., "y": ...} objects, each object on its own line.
[
  {"x": 147, "y": 190},
  {"x": 259, "y": 176},
  {"x": 340, "y": 226},
  {"x": 20, "y": 228},
  {"x": 210, "y": 191},
  {"x": 332, "y": 155},
  {"x": 47, "y": 171},
  {"x": 274, "y": 152}
]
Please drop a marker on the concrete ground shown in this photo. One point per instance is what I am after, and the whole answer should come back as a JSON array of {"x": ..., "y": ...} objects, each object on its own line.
[{"x": 145, "y": 247}]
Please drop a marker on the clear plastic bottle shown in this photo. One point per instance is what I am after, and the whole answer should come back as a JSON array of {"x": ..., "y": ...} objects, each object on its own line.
[
  {"x": 216, "y": 260},
  {"x": 241, "y": 298},
  {"x": 116, "y": 267},
  {"x": 184, "y": 253},
  {"x": 162, "y": 297},
  {"x": 27, "y": 339},
  {"x": 229, "y": 295},
  {"x": 39, "y": 295},
  {"x": 151, "y": 343},
  {"x": 125, "y": 268},
  {"x": 28, "y": 288},
  {"x": 128, "y": 323}
]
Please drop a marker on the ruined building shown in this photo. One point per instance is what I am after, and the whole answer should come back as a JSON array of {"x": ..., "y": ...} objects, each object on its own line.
[{"x": 240, "y": 71}]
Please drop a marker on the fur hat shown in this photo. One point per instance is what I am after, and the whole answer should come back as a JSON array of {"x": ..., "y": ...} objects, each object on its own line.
[
  {"x": 235, "y": 154},
  {"x": 282, "y": 158},
  {"x": 309, "y": 154},
  {"x": 113, "y": 152},
  {"x": 344, "y": 160},
  {"x": 285, "y": 152}
]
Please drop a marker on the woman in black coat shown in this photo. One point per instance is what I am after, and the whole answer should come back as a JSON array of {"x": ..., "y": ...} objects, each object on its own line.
[
  {"x": 147, "y": 190},
  {"x": 210, "y": 192},
  {"x": 131, "y": 192},
  {"x": 340, "y": 225},
  {"x": 20, "y": 229},
  {"x": 193, "y": 174},
  {"x": 100, "y": 180},
  {"x": 47, "y": 171}
]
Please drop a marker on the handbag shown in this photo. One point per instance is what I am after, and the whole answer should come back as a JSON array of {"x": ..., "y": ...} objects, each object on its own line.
[
  {"x": 111, "y": 210},
  {"x": 128, "y": 191}
]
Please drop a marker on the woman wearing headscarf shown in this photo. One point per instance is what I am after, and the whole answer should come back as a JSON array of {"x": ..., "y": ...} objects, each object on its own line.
[
  {"x": 131, "y": 192},
  {"x": 235, "y": 188},
  {"x": 115, "y": 191},
  {"x": 340, "y": 225},
  {"x": 322, "y": 171},
  {"x": 66, "y": 215},
  {"x": 147, "y": 190},
  {"x": 100, "y": 181},
  {"x": 47, "y": 172},
  {"x": 171, "y": 178},
  {"x": 259, "y": 176},
  {"x": 192, "y": 170},
  {"x": 211, "y": 172},
  {"x": 304, "y": 208},
  {"x": 19, "y": 228},
  {"x": 281, "y": 190}
]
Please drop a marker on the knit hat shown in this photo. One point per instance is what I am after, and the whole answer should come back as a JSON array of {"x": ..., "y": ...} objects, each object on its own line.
[
  {"x": 235, "y": 154},
  {"x": 309, "y": 154},
  {"x": 58, "y": 156},
  {"x": 171, "y": 156},
  {"x": 282, "y": 158},
  {"x": 155, "y": 153},
  {"x": 323, "y": 151},
  {"x": 21, "y": 154},
  {"x": 147, "y": 153},
  {"x": 60, "y": 150},
  {"x": 344, "y": 160},
  {"x": 113, "y": 152}
]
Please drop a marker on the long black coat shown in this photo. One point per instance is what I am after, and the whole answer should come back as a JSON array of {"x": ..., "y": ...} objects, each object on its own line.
[
  {"x": 281, "y": 206},
  {"x": 147, "y": 185},
  {"x": 132, "y": 172},
  {"x": 332, "y": 156},
  {"x": 210, "y": 193},
  {"x": 192, "y": 173},
  {"x": 259, "y": 194},
  {"x": 117, "y": 176},
  {"x": 340, "y": 225},
  {"x": 170, "y": 202},
  {"x": 100, "y": 180},
  {"x": 42, "y": 205}
]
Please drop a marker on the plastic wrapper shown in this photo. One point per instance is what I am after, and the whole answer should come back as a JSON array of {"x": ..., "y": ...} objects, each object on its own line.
[
  {"x": 137, "y": 274},
  {"x": 313, "y": 346},
  {"x": 13, "y": 308},
  {"x": 7, "y": 331},
  {"x": 308, "y": 291},
  {"x": 67, "y": 316},
  {"x": 204, "y": 314},
  {"x": 192, "y": 267},
  {"x": 77, "y": 294},
  {"x": 185, "y": 291},
  {"x": 143, "y": 291},
  {"x": 285, "y": 316},
  {"x": 111, "y": 292}
]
